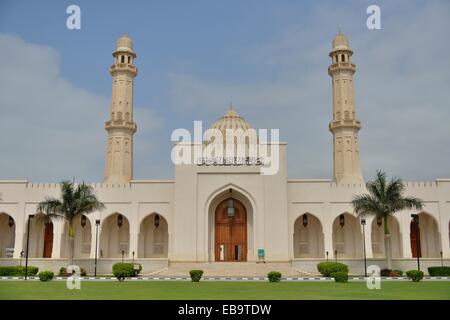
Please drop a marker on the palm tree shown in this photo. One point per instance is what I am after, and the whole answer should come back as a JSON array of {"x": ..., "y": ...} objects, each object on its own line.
[
  {"x": 74, "y": 201},
  {"x": 383, "y": 200}
]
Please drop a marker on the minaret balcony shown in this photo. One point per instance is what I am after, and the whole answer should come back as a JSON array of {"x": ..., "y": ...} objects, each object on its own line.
[
  {"x": 122, "y": 67},
  {"x": 348, "y": 123},
  {"x": 342, "y": 66},
  {"x": 120, "y": 124}
]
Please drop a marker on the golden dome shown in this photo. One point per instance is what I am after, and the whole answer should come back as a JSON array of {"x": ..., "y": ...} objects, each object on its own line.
[
  {"x": 124, "y": 44},
  {"x": 340, "y": 42},
  {"x": 231, "y": 120}
]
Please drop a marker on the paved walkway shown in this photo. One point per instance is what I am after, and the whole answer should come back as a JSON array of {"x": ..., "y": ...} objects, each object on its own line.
[{"x": 140, "y": 279}]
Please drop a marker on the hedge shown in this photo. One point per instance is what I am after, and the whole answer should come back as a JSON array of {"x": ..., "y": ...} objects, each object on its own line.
[
  {"x": 123, "y": 270},
  {"x": 340, "y": 276},
  {"x": 327, "y": 268},
  {"x": 391, "y": 273},
  {"x": 17, "y": 271},
  {"x": 274, "y": 276},
  {"x": 63, "y": 272},
  {"x": 137, "y": 268},
  {"x": 439, "y": 271},
  {"x": 414, "y": 275},
  {"x": 45, "y": 276},
  {"x": 196, "y": 275}
]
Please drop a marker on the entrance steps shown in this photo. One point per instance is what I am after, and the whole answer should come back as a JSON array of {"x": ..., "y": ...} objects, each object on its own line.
[{"x": 230, "y": 269}]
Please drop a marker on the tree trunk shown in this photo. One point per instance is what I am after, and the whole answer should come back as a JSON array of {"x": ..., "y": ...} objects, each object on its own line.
[
  {"x": 71, "y": 243},
  {"x": 387, "y": 244}
]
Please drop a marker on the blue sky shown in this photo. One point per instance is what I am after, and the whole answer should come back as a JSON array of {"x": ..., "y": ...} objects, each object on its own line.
[{"x": 194, "y": 57}]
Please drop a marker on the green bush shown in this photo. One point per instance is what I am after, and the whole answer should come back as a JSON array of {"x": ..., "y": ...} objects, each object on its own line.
[
  {"x": 439, "y": 271},
  {"x": 63, "y": 272},
  {"x": 327, "y": 268},
  {"x": 274, "y": 276},
  {"x": 391, "y": 273},
  {"x": 196, "y": 275},
  {"x": 414, "y": 275},
  {"x": 17, "y": 271},
  {"x": 123, "y": 270},
  {"x": 340, "y": 276},
  {"x": 137, "y": 268},
  {"x": 45, "y": 276}
]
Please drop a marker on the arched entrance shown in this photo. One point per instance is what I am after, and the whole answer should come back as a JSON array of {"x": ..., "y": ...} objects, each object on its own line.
[
  {"x": 41, "y": 237},
  {"x": 153, "y": 237},
  {"x": 424, "y": 237},
  {"x": 82, "y": 238},
  {"x": 230, "y": 231},
  {"x": 7, "y": 235},
  {"x": 308, "y": 237},
  {"x": 115, "y": 237},
  {"x": 347, "y": 236},
  {"x": 378, "y": 238}
]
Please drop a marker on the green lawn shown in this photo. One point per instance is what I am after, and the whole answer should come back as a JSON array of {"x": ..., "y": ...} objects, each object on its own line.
[{"x": 223, "y": 290}]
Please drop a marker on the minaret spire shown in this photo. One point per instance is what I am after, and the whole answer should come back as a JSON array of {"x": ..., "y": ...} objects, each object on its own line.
[
  {"x": 345, "y": 125},
  {"x": 120, "y": 126}
]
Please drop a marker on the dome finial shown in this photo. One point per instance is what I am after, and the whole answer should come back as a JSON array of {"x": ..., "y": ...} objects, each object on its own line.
[{"x": 340, "y": 41}]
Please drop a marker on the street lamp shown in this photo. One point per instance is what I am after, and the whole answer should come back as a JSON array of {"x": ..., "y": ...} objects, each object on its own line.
[
  {"x": 363, "y": 223},
  {"x": 97, "y": 223},
  {"x": 415, "y": 218},
  {"x": 335, "y": 255},
  {"x": 326, "y": 252},
  {"x": 30, "y": 216}
]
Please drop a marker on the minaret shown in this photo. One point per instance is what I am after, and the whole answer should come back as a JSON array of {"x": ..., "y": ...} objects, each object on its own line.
[
  {"x": 345, "y": 125},
  {"x": 120, "y": 126}
]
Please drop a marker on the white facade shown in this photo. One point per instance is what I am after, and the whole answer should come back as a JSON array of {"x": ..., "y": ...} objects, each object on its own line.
[{"x": 161, "y": 221}]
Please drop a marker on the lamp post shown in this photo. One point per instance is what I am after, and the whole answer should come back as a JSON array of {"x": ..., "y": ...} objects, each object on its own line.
[
  {"x": 442, "y": 260},
  {"x": 30, "y": 216},
  {"x": 415, "y": 218},
  {"x": 97, "y": 223},
  {"x": 363, "y": 223},
  {"x": 326, "y": 252},
  {"x": 123, "y": 252},
  {"x": 335, "y": 255},
  {"x": 133, "y": 257}
]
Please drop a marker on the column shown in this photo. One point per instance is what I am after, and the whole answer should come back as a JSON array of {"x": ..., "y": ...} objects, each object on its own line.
[{"x": 20, "y": 234}]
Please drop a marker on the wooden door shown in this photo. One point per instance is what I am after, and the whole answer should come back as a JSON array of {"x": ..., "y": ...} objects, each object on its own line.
[
  {"x": 415, "y": 240},
  {"x": 231, "y": 232},
  {"x": 48, "y": 240}
]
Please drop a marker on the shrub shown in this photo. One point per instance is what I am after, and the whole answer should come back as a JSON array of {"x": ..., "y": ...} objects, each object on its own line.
[
  {"x": 414, "y": 275},
  {"x": 63, "y": 272},
  {"x": 196, "y": 275},
  {"x": 391, "y": 273},
  {"x": 396, "y": 273},
  {"x": 340, "y": 276},
  {"x": 45, "y": 276},
  {"x": 274, "y": 276},
  {"x": 327, "y": 268},
  {"x": 439, "y": 271},
  {"x": 123, "y": 270},
  {"x": 385, "y": 272},
  {"x": 137, "y": 268},
  {"x": 17, "y": 271}
]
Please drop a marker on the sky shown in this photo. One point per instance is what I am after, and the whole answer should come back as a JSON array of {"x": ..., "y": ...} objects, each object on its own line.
[{"x": 269, "y": 58}]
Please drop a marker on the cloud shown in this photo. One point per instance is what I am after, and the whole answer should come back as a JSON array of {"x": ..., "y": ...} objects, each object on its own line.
[
  {"x": 401, "y": 85},
  {"x": 51, "y": 130}
]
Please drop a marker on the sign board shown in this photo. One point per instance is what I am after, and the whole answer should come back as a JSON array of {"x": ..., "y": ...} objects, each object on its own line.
[{"x": 261, "y": 253}]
